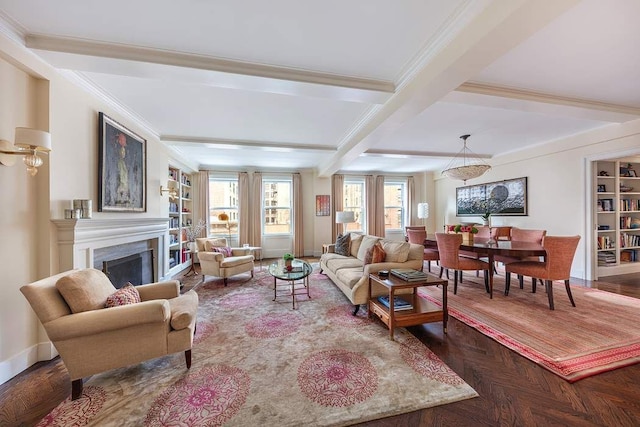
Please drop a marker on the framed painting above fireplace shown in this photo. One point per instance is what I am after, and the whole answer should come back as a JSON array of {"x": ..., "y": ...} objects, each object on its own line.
[{"x": 122, "y": 168}]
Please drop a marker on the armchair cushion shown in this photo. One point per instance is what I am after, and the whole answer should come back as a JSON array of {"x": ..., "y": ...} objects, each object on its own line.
[
  {"x": 85, "y": 290},
  {"x": 209, "y": 244},
  {"x": 183, "y": 310},
  {"x": 236, "y": 260},
  {"x": 128, "y": 294}
]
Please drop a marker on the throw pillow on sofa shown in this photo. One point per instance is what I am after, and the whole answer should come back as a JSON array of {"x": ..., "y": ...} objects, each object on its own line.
[
  {"x": 342, "y": 245},
  {"x": 396, "y": 251},
  {"x": 367, "y": 242},
  {"x": 375, "y": 254},
  {"x": 224, "y": 250}
]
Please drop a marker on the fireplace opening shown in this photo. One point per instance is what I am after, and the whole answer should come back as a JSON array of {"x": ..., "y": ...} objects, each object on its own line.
[{"x": 135, "y": 269}]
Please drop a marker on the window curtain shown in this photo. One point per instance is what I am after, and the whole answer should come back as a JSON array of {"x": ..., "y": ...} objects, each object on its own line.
[
  {"x": 244, "y": 226},
  {"x": 411, "y": 196},
  {"x": 255, "y": 229},
  {"x": 298, "y": 234},
  {"x": 378, "y": 229},
  {"x": 337, "y": 193},
  {"x": 201, "y": 200},
  {"x": 370, "y": 194}
]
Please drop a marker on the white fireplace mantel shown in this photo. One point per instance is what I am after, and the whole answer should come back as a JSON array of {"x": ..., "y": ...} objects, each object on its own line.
[{"x": 79, "y": 238}]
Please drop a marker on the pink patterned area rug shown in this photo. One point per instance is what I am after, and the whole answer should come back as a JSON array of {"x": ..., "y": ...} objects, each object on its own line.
[
  {"x": 257, "y": 362},
  {"x": 600, "y": 334}
]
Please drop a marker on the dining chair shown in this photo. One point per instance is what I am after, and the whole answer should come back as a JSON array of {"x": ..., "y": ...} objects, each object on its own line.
[
  {"x": 484, "y": 232},
  {"x": 449, "y": 250},
  {"x": 556, "y": 266},
  {"x": 418, "y": 237},
  {"x": 522, "y": 235}
]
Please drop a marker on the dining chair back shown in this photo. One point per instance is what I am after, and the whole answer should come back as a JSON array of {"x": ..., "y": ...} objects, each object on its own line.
[
  {"x": 418, "y": 236},
  {"x": 556, "y": 266},
  {"x": 522, "y": 235},
  {"x": 449, "y": 250}
]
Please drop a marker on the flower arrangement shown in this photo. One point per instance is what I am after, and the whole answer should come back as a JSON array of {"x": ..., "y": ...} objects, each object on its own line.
[
  {"x": 193, "y": 231},
  {"x": 459, "y": 228},
  {"x": 287, "y": 257}
]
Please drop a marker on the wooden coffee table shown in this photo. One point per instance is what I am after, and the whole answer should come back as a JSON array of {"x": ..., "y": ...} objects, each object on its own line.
[{"x": 423, "y": 311}]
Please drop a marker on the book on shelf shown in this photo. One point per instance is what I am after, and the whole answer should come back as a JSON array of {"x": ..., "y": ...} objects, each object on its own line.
[
  {"x": 409, "y": 274},
  {"x": 398, "y": 303}
]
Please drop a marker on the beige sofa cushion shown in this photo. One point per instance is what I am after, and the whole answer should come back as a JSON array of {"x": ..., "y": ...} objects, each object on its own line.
[
  {"x": 85, "y": 290},
  {"x": 356, "y": 240},
  {"x": 367, "y": 242},
  {"x": 396, "y": 251}
]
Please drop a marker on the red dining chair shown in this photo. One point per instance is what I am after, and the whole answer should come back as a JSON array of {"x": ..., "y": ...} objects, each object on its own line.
[
  {"x": 449, "y": 250},
  {"x": 418, "y": 237},
  {"x": 556, "y": 266},
  {"x": 522, "y": 235}
]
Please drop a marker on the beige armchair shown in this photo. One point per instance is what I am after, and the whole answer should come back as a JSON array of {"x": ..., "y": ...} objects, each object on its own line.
[
  {"x": 217, "y": 264},
  {"x": 92, "y": 339}
]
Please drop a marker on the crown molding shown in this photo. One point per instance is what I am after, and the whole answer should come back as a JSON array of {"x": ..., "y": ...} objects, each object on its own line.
[
  {"x": 189, "y": 60},
  {"x": 545, "y": 98}
]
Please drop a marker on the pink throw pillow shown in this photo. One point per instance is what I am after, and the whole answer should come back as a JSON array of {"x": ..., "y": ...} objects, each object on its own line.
[
  {"x": 128, "y": 294},
  {"x": 224, "y": 250}
]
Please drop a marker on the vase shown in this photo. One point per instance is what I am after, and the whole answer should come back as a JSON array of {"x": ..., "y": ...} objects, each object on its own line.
[{"x": 287, "y": 263}]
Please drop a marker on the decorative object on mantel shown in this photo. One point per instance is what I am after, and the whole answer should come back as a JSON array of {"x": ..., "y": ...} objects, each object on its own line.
[
  {"x": 85, "y": 206},
  {"x": 28, "y": 143},
  {"x": 193, "y": 231},
  {"x": 122, "y": 168},
  {"x": 467, "y": 167}
]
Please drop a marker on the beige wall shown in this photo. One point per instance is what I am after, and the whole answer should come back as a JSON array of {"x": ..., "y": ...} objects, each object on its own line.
[{"x": 34, "y": 95}]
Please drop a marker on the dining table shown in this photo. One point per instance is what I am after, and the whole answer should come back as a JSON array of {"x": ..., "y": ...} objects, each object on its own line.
[{"x": 489, "y": 248}]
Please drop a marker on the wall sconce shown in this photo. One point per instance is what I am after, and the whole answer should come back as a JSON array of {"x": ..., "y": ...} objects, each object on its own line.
[
  {"x": 172, "y": 192},
  {"x": 28, "y": 143}
]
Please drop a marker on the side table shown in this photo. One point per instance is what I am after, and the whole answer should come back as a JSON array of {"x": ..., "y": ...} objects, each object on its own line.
[
  {"x": 423, "y": 311},
  {"x": 253, "y": 250},
  {"x": 192, "y": 269}
]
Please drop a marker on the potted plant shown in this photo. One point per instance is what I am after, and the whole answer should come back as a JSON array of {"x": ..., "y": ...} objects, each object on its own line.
[
  {"x": 486, "y": 219},
  {"x": 467, "y": 232},
  {"x": 288, "y": 258}
]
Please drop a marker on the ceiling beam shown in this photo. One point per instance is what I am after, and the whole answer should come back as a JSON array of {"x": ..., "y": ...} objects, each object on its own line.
[
  {"x": 189, "y": 60},
  {"x": 501, "y": 26}
]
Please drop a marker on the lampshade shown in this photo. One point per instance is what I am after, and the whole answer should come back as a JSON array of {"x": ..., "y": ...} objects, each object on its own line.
[
  {"x": 32, "y": 139},
  {"x": 344, "y": 217},
  {"x": 460, "y": 168},
  {"x": 423, "y": 210}
]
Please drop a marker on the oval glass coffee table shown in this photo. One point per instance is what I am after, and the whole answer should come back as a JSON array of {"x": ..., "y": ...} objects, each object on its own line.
[{"x": 297, "y": 279}]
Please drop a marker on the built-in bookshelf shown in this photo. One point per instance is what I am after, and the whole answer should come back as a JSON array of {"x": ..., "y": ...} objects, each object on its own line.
[
  {"x": 180, "y": 216},
  {"x": 617, "y": 213}
]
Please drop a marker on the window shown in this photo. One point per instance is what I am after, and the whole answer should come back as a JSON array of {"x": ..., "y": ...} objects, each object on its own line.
[
  {"x": 394, "y": 205},
  {"x": 276, "y": 200},
  {"x": 223, "y": 200},
  {"x": 354, "y": 200}
]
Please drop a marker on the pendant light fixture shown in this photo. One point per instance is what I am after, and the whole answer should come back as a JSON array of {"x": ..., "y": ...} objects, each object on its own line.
[{"x": 466, "y": 164}]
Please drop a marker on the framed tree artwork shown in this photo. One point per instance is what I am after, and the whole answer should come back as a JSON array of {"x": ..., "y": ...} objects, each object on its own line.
[
  {"x": 506, "y": 198},
  {"x": 122, "y": 168}
]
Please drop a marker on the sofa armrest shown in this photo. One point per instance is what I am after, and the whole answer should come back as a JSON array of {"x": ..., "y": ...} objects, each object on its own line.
[
  {"x": 108, "y": 319},
  {"x": 159, "y": 290}
]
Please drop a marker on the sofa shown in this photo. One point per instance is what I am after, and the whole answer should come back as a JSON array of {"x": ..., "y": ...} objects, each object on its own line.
[
  {"x": 350, "y": 273},
  {"x": 214, "y": 262}
]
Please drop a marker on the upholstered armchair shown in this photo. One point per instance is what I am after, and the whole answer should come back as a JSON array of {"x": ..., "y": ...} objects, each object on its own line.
[
  {"x": 92, "y": 339},
  {"x": 219, "y": 260}
]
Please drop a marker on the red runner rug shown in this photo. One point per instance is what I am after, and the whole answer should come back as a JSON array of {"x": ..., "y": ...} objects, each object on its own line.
[{"x": 600, "y": 334}]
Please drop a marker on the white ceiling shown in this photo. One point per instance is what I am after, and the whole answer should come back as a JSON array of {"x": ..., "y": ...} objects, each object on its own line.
[{"x": 355, "y": 86}]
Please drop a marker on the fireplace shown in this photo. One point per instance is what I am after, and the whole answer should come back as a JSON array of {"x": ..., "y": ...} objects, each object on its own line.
[
  {"x": 86, "y": 243},
  {"x": 136, "y": 269}
]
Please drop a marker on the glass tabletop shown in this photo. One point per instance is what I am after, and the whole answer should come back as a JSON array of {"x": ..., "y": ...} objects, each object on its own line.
[{"x": 300, "y": 269}]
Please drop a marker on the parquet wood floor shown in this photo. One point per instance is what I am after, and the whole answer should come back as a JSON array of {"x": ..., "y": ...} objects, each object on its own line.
[{"x": 513, "y": 391}]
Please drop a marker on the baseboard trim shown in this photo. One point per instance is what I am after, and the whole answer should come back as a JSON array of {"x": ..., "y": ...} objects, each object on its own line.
[{"x": 11, "y": 367}]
